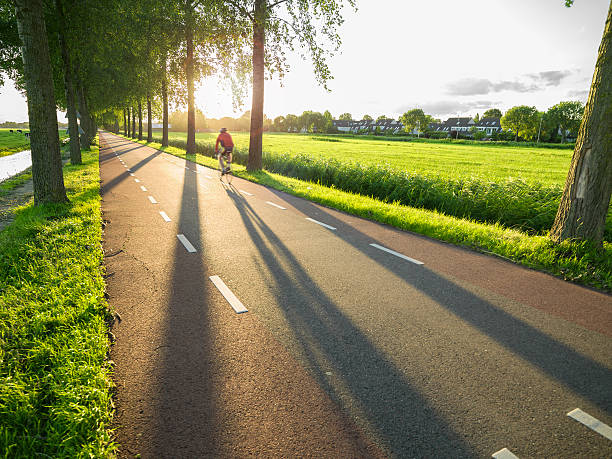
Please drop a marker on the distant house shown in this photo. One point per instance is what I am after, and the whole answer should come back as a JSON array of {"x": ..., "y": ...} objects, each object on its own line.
[
  {"x": 460, "y": 124},
  {"x": 387, "y": 126},
  {"x": 490, "y": 125}
]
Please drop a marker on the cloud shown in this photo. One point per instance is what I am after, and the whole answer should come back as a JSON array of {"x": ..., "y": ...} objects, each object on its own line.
[
  {"x": 551, "y": 77},
  {"x": 582, "y": 95},
  {"x": 469, "y": 87},
  {"x": 482, "y": 86},
  {"x": 450, "y": 107}
]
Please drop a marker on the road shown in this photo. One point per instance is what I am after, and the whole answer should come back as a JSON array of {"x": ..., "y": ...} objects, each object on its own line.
[{"x": 360, "y": 340}]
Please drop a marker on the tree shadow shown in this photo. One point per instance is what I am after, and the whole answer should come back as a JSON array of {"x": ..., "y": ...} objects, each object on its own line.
[
  {"x": 187, "y": 407},
  {"x": 399, "y": 415},
  {"x": 576, "y": 371}
]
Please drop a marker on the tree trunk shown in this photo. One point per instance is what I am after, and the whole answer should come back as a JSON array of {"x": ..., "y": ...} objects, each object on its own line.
[
  {"x": 586, "y": 197},
  {"x": 255, "y": 143},
  {"x": 47, "y": 175},
  {"x": 190, "y": 83},
  {"x": 562, "y": 134},
  {"x": 73, "y": 127},
  {"x": 133, "y": 123},
  {"x": 149, "y": 120},
  {"x": 165, "y": 106},
  {"x": 139, "y": 121},
  {"x": 129, "y": 125},
  {"x": 84, "y": 115},
  {"x": 124, "y": 123}
]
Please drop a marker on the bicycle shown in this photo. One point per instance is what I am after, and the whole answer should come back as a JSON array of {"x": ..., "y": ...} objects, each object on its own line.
[{"x": 225, "y": 171}]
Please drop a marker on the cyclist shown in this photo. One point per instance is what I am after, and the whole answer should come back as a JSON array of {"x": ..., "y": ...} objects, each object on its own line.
[{"x": 225, "y": 139}]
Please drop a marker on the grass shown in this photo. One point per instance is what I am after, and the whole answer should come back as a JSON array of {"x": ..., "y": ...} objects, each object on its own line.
[
  {"x": 15, "y": 142},
  {"x": 581, "y": 262},
  {"x": 16, "y": 180},
  {"x": 55, "y": 386},
  {"x": 12, "y": 142},
  {"x": 454, "y": 160}
]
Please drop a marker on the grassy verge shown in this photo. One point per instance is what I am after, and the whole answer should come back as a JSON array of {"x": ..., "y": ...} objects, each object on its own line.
[
  {"x": 578, "y": 262},
  {"x": 17, "y": 180},
  {"x": 55, "y": 385}
]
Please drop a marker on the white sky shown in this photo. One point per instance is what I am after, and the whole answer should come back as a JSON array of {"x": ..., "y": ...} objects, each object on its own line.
[{"x": 448, "y": 57}]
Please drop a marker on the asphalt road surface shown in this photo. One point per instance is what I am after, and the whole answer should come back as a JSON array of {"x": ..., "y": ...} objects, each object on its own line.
[{"x": 360, "y": 340}]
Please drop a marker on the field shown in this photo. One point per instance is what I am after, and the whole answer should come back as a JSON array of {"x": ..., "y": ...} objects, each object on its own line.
[
  {"x": 12, "y": 142},
  {"x": 547, "y": 166}
]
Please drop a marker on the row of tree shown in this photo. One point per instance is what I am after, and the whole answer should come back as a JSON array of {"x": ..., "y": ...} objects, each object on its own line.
[
  {"x": 108, "y": 58},
  {"x": 110, "y": 62}
]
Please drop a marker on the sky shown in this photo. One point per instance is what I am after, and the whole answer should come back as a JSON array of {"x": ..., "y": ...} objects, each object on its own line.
[{"x": 448, "y": 57}]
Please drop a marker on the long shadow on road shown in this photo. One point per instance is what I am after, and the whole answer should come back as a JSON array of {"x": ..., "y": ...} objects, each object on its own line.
[
  {"x": 186, "y": 416},
  {"x": 584, "y": 376},
  {"x": 397, "y": 413}
]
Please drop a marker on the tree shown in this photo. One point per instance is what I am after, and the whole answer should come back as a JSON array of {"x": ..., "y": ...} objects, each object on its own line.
[
  {"x": 47, "y": 175},
  {"x": 367, "y": 118},
  {"x": 414, "y": 119},
  {"x": 566, "y": 116},
  {"x": 281, "y": 23},
  {"x": 477, "y": 118},
  {"x": 586, "y": 196},
  {"x": 492, "y": 112},
  {"x": 522, "y": 120},
  {"x": 346, "y": 117},
  {"x": 382, "y": 118}
]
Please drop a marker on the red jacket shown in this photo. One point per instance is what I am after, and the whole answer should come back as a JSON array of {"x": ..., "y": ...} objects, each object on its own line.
[{"x": 225, "y": 140}]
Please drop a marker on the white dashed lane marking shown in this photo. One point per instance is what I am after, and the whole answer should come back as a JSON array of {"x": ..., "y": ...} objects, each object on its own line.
[
  {"x": 246, "y": 193},
  {"x": 136, "y": 180},
  {"x": 504, "y": 454},
  {"x": 397, "y": 254},
  {"x": 152, "y": 199},
  {"x": 276, "y": 205},
  {"x": 591, "y": 422},
  {"x": 234, "y": 302},
  {"x": 190, "y": 248},
  {"x": 143, "y": 188},
  {"x": 321, "y": 223},
  {"x": 165, "y": 216}
]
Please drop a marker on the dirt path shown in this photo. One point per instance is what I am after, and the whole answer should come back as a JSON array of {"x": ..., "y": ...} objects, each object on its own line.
[{"x": 14, "y": 198}]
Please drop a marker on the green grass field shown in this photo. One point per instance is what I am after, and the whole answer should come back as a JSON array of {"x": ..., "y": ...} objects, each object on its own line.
[
  {"x": 547, "y": 166},
  {"x": 12, "y": 142}
]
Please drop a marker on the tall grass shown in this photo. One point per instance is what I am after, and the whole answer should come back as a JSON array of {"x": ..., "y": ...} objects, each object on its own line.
[
  {"x": 55, "y": 397},
  {"x": 513, "y": 203}
]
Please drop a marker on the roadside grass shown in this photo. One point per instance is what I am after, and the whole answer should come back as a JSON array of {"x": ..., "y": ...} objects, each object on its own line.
[
  {"x": 17, "y": 180},
  {"x": 55, "y": 385},
  {"x": 579, "y": 262}
]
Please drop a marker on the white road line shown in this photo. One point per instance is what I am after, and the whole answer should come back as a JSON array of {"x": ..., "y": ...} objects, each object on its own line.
[
  {"x": 165, "y": 216},
  {"x": 130, "y": 170},
  {"x": 246, "y": 193},
  {"x": 186, "y": 168},
  {"x": 229, "y": 295},
  {"x": 320, "y": 223},
  {"x": 143, "y": 188},
  {"x": 275, "y": 205},
  {"x": 591, "y": 422},
  {"x": 136, "y": 180},
  {"x": 152, "y": 199},
  {"x": 208, "y": 176},
  {"x": 397, "y": 254},
  {"x": 132, "y": 175},
  {"x": 504, "y": 454},
  {"x": 190, "y": 248}
]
